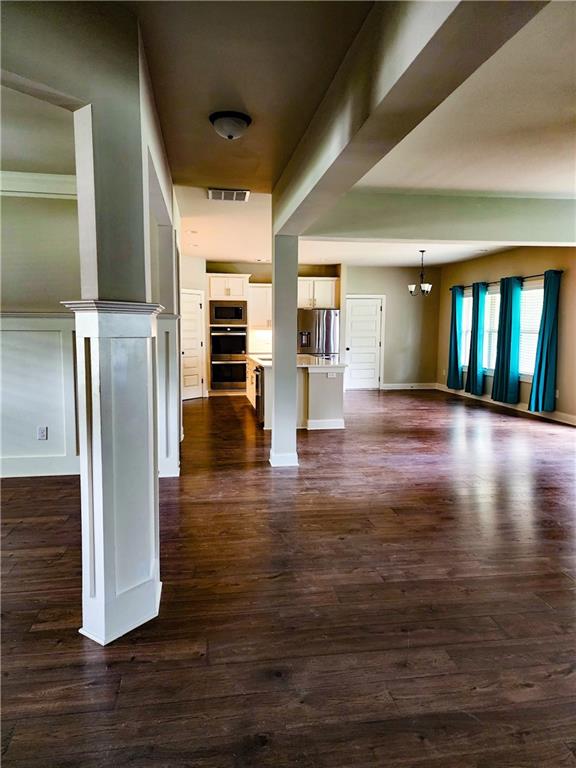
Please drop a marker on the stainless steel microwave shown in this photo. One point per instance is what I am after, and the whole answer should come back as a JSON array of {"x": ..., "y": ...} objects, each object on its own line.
[{"x": 228, "y": 313}]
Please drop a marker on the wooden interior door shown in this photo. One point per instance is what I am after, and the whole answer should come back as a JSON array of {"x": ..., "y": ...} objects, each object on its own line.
[
  {"x": 363, "y": 343},
  {"x": 192, "y": 344}
]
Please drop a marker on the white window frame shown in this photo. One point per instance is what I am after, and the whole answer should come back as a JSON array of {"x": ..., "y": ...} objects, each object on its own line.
[{"x": 531, "y": 285}]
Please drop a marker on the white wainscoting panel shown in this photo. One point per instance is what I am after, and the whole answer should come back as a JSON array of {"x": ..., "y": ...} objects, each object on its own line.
[{"x": 38, "y": 390}]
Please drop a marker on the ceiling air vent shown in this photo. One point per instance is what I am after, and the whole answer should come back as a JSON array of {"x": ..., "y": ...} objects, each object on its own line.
[{"x": 233, "y": 195}]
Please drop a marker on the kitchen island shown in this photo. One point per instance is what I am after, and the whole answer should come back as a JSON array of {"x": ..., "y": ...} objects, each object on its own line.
[{"x": 320, "y": 390}]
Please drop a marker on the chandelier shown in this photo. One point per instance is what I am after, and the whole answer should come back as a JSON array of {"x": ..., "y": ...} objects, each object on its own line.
[{"x": 424, "y": 288}]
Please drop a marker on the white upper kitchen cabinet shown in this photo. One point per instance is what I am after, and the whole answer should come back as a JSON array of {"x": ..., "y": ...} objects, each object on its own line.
[
  {"x": 325, "y": 293},
  {"x": 260, "y": 306},
  {"x": 318, "y": 293},
  {"x": 305, "y": 293},
  {"x": 223, "y": 286}
]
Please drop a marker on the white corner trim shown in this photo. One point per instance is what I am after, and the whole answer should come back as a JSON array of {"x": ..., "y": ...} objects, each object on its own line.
[
  {"x": 415, "y": 385},
  {"x": 563, "y": 418},
  {"x": 18, "y": 184},
  {"x": 283, "y": 459},
  {"x": 325, "y": 424}
]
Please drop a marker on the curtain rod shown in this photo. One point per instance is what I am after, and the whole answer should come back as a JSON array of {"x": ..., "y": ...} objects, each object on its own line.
[{"x": 497, "y": 282}]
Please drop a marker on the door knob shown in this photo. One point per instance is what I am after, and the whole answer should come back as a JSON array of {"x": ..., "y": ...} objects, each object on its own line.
[{"x": 347, "y": 349}]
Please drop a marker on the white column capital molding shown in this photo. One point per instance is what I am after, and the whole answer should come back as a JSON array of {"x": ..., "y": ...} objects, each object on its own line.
[
  {"x": 114, "y": 319},
  {"x": 114, "y": 307}
]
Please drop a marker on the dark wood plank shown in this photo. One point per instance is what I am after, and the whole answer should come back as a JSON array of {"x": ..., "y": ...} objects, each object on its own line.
[{"x": 404, "y": 598}]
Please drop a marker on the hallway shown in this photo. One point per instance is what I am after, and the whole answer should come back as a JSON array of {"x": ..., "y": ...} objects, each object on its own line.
[{"x": 405, "y": 597}]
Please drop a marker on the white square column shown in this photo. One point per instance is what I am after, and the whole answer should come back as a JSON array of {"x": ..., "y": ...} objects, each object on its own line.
[
  {"x": 283, "y": 452},
  {"x": 116, "y": 360}
]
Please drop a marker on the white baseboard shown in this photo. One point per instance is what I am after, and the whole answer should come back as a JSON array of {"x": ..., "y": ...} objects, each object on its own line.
[
  {"x": 170, "y": 472},
  {"x": 325, "y": 424},
  {"x": 563, "y": 418},
  {"x": 283, "y": 459},
  {"x": 416, "y": 385}
]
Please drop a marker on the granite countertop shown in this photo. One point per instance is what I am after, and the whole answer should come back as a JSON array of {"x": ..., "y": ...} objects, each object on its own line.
[{"x": 312, "y": 362}]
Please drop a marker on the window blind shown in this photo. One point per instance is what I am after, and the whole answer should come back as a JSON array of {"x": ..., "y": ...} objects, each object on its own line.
[
  {"x": 531, "y": 305},
  {"x": 492, "y": 312}
]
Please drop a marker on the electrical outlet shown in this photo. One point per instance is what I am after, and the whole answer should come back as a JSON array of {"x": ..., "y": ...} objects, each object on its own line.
[
  {"x": 332, "y": 375},
  {"x": 42, "y": 433},
  {"x": 557, "y": 393},
  {"x": 443, "y": 371}
]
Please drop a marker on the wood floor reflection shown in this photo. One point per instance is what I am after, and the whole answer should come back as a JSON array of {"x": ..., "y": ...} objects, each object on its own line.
[{"x": 404, "y": 598}]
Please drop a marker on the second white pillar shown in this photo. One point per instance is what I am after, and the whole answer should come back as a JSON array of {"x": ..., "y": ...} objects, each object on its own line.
[{"x": 283, "y": 452}]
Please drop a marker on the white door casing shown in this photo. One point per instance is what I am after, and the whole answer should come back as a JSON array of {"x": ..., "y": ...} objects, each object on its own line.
[
  {"x": 192, "y": 344},
  {"x": 364, "y": 324}
]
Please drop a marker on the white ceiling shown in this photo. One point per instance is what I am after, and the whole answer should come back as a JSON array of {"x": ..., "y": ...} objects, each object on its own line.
[
  {"x": 218, "y": 230},
  {"x": 37, "y": 137},
  {"x": 509, "y": 129},
  {"x": 386, "y": 254},
  {"x": 225, "y": 231}
]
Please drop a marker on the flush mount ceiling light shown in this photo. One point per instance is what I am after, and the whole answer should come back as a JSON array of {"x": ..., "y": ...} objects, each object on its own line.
[
  {"x": 424, "y": 288},
  {"x": 230, "y": 125}
]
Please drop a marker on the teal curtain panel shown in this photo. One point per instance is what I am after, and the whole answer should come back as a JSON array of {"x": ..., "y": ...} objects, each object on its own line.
[
  {"x": 543, "y": 392},
  {"x": 454, "y": 380},
  {"x": 506, "y": 385},
  {"x": 475, "y": 377}
]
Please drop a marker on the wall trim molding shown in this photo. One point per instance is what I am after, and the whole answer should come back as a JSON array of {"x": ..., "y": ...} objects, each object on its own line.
[
  {"x": 36, "y": 316},
  {"x": 325, "y": 424},
  {"x": 413, "y": 385},
  {"x": 20, "y": 184},
  {"x": 520, "y": 408}
]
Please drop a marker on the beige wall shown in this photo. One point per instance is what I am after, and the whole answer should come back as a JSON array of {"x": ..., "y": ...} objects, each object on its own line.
[
  {"x": 192, "y": 273},
  {"x": 411, "y": 337},
  {"x": 520, "y": 261},
  {"x": 40, "y": 258}
]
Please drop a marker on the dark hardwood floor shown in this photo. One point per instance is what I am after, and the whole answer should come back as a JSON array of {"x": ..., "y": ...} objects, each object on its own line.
[{"x": 405, "y": 598}]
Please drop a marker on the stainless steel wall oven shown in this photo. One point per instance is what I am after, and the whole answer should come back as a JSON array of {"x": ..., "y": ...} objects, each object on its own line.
[{"x": 228, "y": 356}]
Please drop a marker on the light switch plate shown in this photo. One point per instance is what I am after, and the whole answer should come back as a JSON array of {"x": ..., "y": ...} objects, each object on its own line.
[{"x": 42, "y": 433}]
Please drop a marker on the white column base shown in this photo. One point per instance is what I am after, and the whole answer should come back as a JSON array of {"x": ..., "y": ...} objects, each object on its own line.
[
  {"x": 116, "y": 353},
  {"x": 283, "y": 459}
]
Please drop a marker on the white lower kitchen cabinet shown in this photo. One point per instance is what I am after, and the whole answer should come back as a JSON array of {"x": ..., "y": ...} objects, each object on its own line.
[{"x": 320, "y": 391}]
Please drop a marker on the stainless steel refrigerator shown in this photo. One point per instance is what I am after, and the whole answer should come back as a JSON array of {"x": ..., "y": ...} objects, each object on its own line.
[{"x": 318, "y": 331}]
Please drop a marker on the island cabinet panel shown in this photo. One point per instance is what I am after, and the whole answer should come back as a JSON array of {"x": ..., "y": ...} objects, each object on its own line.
[
  {"x": 318, "y": 293},
  {"x": 251, "y": 381},
  {"x": 260, "y": 307},
  {"x": 228, "y": 286}
]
